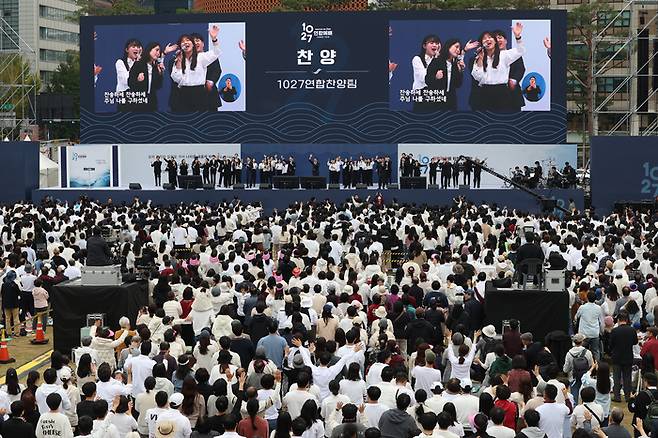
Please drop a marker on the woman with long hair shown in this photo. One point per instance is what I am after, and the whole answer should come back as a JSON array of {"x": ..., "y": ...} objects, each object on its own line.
[
  {"x": 122, "y": 418},
  {"x": 327, "y": 324},
  {"x": 253, "y": 426},
  {"x": 283, "y": 426},
  {"x": 189, "y": 73},
  {"x": 491, "y": 70},
  {"x": 456, "y": 427},
  {"x": 143, "y": 402},
  {"x": 314, "y": 426},
  {"x": 86, "y": 370},
  {"x": 12, "y": 387},
  {"x": 194, "y": 405},
  {"x": 602, "y": 382},
  {"x": 446, "y": 73},
  {"x": 429, "y": 50},
  {"x": 353, "y": 386},
  {"x": 132, "y": 51},
  {"x": 145, "y": 78},
  {"x": 30, "y": 408},
  {"x": 203, "y": 352}
]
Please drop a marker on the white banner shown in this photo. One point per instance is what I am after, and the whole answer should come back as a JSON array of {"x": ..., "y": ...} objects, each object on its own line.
[
  {"x": 89, "y": 166},
  {"x": 135, "y": 159},
  {"x": 500, "y": 157}
]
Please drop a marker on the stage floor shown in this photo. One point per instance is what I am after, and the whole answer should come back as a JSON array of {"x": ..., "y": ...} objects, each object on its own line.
[{"x": 281, "y": 199}]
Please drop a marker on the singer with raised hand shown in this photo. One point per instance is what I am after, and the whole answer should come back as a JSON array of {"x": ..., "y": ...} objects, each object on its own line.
[
  {"x": 491, "y": 70},
  {"x": 189, "y": 72}
]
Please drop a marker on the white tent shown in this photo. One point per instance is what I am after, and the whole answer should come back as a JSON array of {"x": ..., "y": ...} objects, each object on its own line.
[{"x": 48, "y": 172}]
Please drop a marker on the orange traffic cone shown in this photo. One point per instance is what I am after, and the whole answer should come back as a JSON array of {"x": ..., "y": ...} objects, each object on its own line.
[
  {"x": 39, "y": 338},
  {"x": 4, "y": 353}
]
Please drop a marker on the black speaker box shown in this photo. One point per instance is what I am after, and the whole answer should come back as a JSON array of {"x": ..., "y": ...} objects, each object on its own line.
[
  {"x": 334, "y": 186},
  {"x": 433, "y": 186},
  {"x": 361, "y": 186},
  {"x": 313, "y": 182},
  {"x": 135, "y": 186},
  {"x": 238, "y": 186},
  {"x": 168, "y": 186},
  {"x": 208, "y": 187},
  {"x": 264, "y": 186},
  {"x": 286, "y": 182}
]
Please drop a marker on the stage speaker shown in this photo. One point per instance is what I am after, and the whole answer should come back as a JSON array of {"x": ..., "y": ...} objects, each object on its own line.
[
  {"x": 361, "y": 186},
  {"x": 464, "y": 187},
  {"x": 286, "y": 182},
  {"x": 415, "y": 182},
  {"x": 238, "y": 186},
  {"x": 313, "y": 182},
  {"x": 168, "y": 186},
  {"x": 135, "y": 186},
  {"x": 334, "y": 186},
  {"x": 264, "y": 186},
  {"x": 393, "y": 186},
  {"x": 433, "y": 186},
  {"x": 548, "y": 205},
  {"x": 208, "y": 187}
]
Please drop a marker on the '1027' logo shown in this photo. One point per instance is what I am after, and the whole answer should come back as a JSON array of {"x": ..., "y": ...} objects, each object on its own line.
[{"x": 650, "y": 180}]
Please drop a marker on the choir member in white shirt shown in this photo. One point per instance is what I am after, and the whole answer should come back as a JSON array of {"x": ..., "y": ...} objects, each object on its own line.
[
  {"x": 132, "y": 52},
  {"x": 429, "y": 49},
  {"x": 189, "y": 72},
  {"x": 491, "y": 70}
]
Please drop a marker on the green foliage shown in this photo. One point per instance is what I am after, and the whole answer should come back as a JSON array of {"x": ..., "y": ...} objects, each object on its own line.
[
  {"x": 113, "y": 7},
  {"x": 66, "y": 80},
  {"x": 18, "y": 84}
]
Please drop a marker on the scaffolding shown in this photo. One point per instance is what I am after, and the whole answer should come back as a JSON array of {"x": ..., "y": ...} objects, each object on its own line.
[
  {"x": 18, "y": 84},
  {"x": 630, "y": 108}
]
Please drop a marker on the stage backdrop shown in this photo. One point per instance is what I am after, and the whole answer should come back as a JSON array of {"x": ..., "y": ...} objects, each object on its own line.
[
  {"x": 135, "y": 159},
  {"x": 500, "y": 157},
  {"x": 88, "y": 166},
  {"x": 315, "y": 78},
  {"x": 623, "y": 169}
]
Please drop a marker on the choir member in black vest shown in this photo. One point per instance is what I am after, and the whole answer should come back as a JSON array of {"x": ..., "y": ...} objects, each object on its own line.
[
  {"x": 182, "y": 169},
  {"x": 196, "y": 166},
  {"x": 145, "y": 78},
  {"x": 315, "y": 165},
  {"x": 172, "y": 170},
  {"x": 157, "y": 170},
  {"x": 213, "y": 170},
  {"x": 432, "y": 168},
  {"x": 206, "y": 171}
]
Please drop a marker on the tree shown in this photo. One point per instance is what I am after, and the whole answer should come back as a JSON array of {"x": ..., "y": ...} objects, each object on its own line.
[
  {"x": 66, "y": 80},
  {"x": 583, "y": 24},
  {"x": 18, "y": 87},
  {"x": 115, "y": 7}
]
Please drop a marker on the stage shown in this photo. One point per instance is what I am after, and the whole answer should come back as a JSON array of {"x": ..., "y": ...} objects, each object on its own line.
[{"x": 281, "y": 199}]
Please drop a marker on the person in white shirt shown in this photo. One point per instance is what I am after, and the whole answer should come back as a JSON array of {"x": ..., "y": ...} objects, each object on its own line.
[
  {"x": 491, "y": 71},
  {"x": 140, "y": 367},
  {"x": 179, "y": 236},
  {"x": 295, "y": 399},
  {"x": 102, "y": 425},
  {"x": 497, "y": 430},
  {"x": 152, "y": 414},
  {"x": 189, "y": 72},
  {"x": 578, "y": 417},
  {"x": 183, "y": 426},
  {"x": 108, "y": 387},
  {"x": 426, "y": 375},
  {"x": 132, "y": 51},
  {"x": 72, "y": 271},
  {"x": 373, "y": 409},
  {"x": 52, "y": 422},
  {"x": 50, "y": 386},
  {"x": 552, "y": 414}
]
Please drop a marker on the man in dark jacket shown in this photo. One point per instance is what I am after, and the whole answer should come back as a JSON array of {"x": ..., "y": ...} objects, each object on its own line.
[
  {"x": 419, "y": 328},
  {"x": 259, "y": 324},
  {"x": 98, "y": 252},
  {"x": 241, "y": 344},
  {"x": 16, "y": 424},
  {"x": 397, "y": 423},
  {"x": 529, "y": 250},
  {"x": 622, "y": 339}
]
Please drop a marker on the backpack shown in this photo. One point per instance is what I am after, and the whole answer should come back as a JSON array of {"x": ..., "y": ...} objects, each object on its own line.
[
  {"x": 580, "y": 364},
  {"x": 652, "y": 411}
]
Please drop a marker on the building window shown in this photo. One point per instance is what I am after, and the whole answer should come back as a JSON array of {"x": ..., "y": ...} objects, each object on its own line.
[
  {"x": 47, "y": 33},
  {"x": 621, "y": 20},
  {"x": 46, "y": 77},
  {"x": 609, "y": 84},
  {"x": 54, "y": 13},
  {"x": 52, "y": 55}
]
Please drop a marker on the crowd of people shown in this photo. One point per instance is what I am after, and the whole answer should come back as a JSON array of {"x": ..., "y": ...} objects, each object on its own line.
[{"x": 360, "y": 320}]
